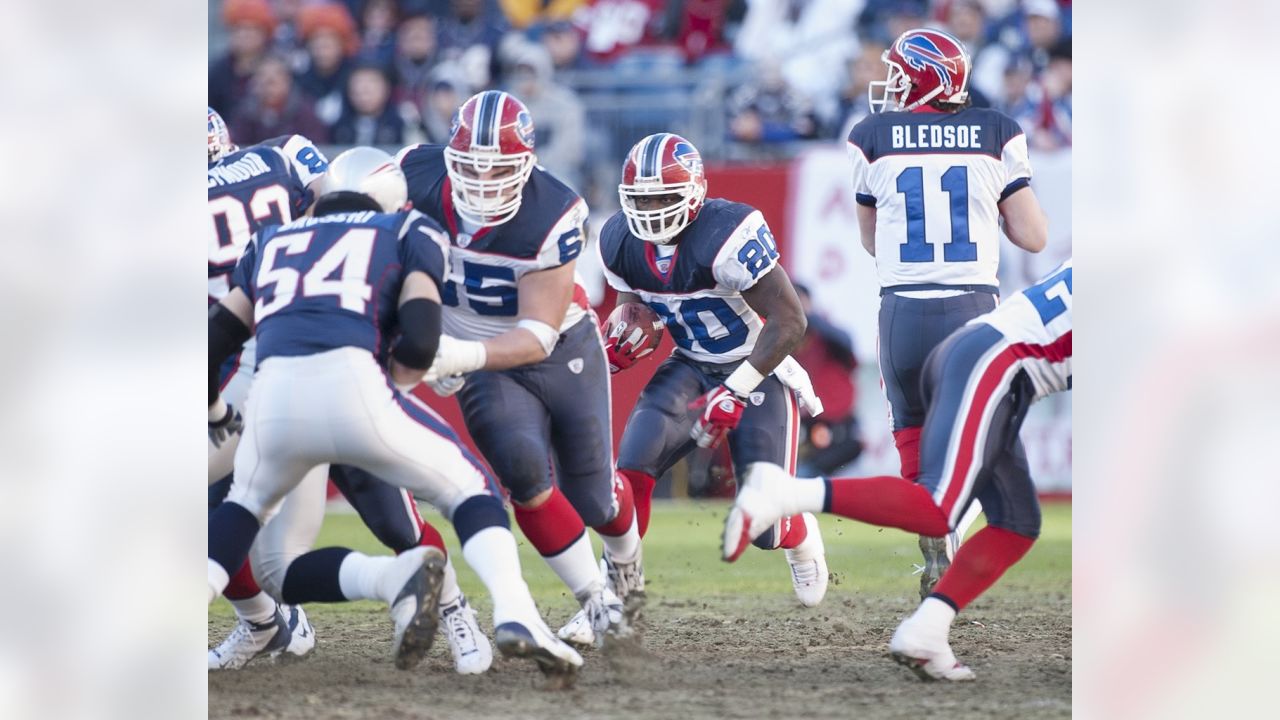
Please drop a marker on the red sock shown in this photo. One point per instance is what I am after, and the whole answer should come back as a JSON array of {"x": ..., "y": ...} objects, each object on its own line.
[
  {"x": 793, "y": 531},
  {"x": 621, "y": 522},
  {"x": 981, "y": 560},
  {"x": 908, "y": 442},
  {"x": 431, "y": 537},
  {"x": 642, "y": 493},
  {"x": 887, "y": 501},
  {"x": 242, "y": 585},
  {"x": 552, "y": 526}
]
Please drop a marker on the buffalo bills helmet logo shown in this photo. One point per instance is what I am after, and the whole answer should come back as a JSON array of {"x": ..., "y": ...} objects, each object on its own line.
[
  {"x": 454, "y": 122},
  {"x": 688, "y": 157},
  {"x": 922, "y": 54},
  {"x": 524, "y": 128}
]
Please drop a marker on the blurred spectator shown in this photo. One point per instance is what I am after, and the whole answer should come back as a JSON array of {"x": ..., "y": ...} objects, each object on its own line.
[
  {"x": 766, "y": 110},
  {"x": 831, "y": 440},
  {"x": 863, "y": 69},
  {"x": 442, "y": 101},
  {"x": 967, "y": 20},
  {"x": 1050, "y": 128},
  {"x": 250, "y": 24},
  {"x": 331, "y": 40},
  {"x": 525, "y": 13},
  {"x": 469, "y": 35},
  {"x": 885, "y": 20},
  {"x": 378, "y": 21},
  {"x": 370, "y": 118},
  {"x": 415, "y": 56},
  {"x": 812, "y": 37},
  {"x": 614, "y": 28},
  {"x": 559, "y": 119},
  {"x": 700, "y": 26},
  {"x": 288, "y": 41},
  {"x": 564, "y": 43},
  {"x": 275, "y": 108},
  {"x": 1041, "y": 30}
]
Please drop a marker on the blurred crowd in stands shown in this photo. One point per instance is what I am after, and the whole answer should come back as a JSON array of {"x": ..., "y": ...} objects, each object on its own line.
[{"x": 743, "y": 79}]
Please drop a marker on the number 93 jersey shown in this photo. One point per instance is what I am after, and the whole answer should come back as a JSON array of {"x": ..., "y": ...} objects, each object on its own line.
[
  {"x": 697, "y": 291},
  {"x": 935, "y": 180},
  {"x": 261, "y": 185},
  {"x": 321, "y": 283}
]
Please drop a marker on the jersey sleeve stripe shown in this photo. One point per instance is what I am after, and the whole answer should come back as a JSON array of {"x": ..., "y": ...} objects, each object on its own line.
[
  {"x": 1014, "y": 187},
  {"x": 868, "y": 200}
]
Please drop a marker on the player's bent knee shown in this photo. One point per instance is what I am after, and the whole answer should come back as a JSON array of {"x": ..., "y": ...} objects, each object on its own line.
[
  {"x": 593, "y": 508},
  {"x": 477, "y": 513}
]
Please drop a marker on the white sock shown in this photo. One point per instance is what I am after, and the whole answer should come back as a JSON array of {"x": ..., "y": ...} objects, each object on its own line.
[
  {"x": 359, "y": 575},
  {"x": 218, "y": 579},
  {"x": 492, "y": 554},
  {"x": 810, "y": 495},
  {"x": 257, "y": 609},
  {"x": 625, "y": 547},
  {"x": 449, "y": 590},
  {"x": 577, "y": 567},
  {"x": 935, "y": 616}
]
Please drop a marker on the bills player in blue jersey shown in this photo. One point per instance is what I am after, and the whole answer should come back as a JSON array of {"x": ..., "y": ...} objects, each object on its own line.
[
  {"x": 272, "y": 183},
  {"x": 935, "y": 180},
  {"x": 345, "y": 309},
  {"x": 524, "y": 348},
  {"x": 709, "y": 268},
  {"x": 978, "y": 385}
]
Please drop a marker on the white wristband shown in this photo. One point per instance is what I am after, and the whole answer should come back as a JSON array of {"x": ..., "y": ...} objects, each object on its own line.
[
  {"x": 547, "y": 335},
  {"x": 218, "y": 410},
  {"x": 744, "y": 379},
  {"x": 455, "y": 357}
]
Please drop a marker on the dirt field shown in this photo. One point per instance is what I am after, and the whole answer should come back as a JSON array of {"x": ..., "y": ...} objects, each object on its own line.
[{"x": 717, "y": 644}]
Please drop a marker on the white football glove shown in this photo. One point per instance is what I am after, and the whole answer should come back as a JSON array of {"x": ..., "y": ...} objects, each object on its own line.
[
  {"x": 444, "y": 387},
  {"x": 791, "y": 374},
  {"x": 455, "y": 357}
]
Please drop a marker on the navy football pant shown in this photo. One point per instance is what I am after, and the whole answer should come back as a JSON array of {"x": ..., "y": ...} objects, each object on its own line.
[
  {"x": 657, "y": 433},
  {"x": 549, "y": 420}
]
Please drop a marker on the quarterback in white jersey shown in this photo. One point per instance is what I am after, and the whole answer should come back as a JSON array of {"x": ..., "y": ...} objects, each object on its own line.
[
  {"x": 933, "y": 179},
  {"x": 979, "y": 384}
]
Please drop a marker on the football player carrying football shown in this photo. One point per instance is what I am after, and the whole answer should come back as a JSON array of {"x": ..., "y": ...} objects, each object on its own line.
[
  {"x": 934, "y": 178},
  {"x": 978, "y": 385},
  {"x": 709, "y": 269},
  {"x": 523, "y": 349}
]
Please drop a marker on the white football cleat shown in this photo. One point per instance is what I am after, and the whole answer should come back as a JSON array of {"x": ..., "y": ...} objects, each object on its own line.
[
  {"x": 767, "y": 495},
  {"x": 926, "y": 652},
  {"x": 414, "y": 609},
  {"x": 302, "y": 637},
  {"x": 808, "y": 562},
  {"x": 251, "y": 640},
  {"x": 624, "y": 579},
  {"x": 472, "y": 654},
  {"x": 578, "y": 632},
  {"x": 534, "y": 640}
]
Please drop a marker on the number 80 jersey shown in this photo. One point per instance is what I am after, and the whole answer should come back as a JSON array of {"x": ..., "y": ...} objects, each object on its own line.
[
  {"x": 698, "y": 290},
  {"x": 935, "y": 180}
]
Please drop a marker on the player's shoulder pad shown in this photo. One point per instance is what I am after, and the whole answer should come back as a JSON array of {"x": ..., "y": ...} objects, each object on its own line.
[
  {"x": 863, "y": 134},
  {"x": 548, "y": 191},
  {"x": 613, "y": 237},
  {"x": 1004, "y": 127},
  {"x": 714, "y": 227},
  {"x": 420, "y": 156}
]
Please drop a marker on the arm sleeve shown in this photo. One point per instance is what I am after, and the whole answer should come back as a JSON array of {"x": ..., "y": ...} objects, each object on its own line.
[
  {"x": 749, "y": 254},
  {"x": 861, "y": 173},
  {"x": 1017, "y": 165},
  {"x": 564, "y": 243},
  {"x": 423, "y": 247}
]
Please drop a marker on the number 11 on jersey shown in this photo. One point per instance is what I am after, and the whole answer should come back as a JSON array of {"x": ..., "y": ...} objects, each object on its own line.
[{"x": 958, "y": 248}]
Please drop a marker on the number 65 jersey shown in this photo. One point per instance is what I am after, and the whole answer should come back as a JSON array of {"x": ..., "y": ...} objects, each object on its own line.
[
  {"x": 936, "y": 180},
  {"x": 697, "y": 288}
]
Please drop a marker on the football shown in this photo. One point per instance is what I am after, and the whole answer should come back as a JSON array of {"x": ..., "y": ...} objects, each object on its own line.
[{"x": 643, "y": 327}]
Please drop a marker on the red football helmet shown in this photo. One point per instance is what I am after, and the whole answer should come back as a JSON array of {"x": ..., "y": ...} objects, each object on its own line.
[
  {"x": 662, "y": 164},
  {"x": 924, "y": 65},
  {"x": 220, "y": 144},
  {"x": 490, "y": 157}
]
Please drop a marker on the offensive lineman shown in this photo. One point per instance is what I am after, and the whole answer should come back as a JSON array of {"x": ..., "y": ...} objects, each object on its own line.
[
  {"x": 710, "y": 271},
  {"x": 978, "y": 386},
  {"x": 269, "y": 183},
  {"x": 933, "y": 179},
  {"x": 343, "y": 305},
  {"x": 534, "y": 387}
]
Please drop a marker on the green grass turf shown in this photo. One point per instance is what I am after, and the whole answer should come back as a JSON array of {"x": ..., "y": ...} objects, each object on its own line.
[{"x": 682, "y": 560}]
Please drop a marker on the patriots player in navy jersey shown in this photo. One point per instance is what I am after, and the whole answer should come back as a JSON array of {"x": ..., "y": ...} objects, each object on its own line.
[
  {"x": 978, "y": 385},
  {"x": 935, "y": 180},
  {"x": 271, "y": 183},
  {"x": 709, "y": 268},
  {"x": 523, "y": 350},
  {"x": 345, "y": 309}
]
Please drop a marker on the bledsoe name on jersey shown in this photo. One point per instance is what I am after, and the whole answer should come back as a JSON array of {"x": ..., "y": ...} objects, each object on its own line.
[
  {"x": 936, "y": 181},
  {"x": 265, "y": 184},
  {"x": 698, "y": 295},
  {"x": 1037, "y": 325}
]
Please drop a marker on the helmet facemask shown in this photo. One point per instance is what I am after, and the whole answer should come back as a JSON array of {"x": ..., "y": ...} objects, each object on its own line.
[
  {"x": 487, "y": 201},
  {"x": 893, "y": 88},
  {"x": 661, "y": 224}
]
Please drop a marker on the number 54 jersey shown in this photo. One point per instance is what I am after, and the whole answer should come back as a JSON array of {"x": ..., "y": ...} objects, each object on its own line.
[
  {"x": 697, "y": 289},
  {"x": 936, "y": 180}
]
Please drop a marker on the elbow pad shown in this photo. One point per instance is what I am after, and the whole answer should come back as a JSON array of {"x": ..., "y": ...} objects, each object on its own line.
[
  {"x": 419, "y": 334},
  {"x": 227, "y": 334},
  {"x": 547, "y": 335}
]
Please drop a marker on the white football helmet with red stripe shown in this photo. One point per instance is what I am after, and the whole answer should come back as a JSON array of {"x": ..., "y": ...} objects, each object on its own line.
[
  {"x": 370, "y": 172},
  {"x": 489, "y": 157},
  {"x": 662, "y": 164}
]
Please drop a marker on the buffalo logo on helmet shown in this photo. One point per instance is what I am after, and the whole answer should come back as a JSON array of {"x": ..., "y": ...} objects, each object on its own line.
[
  {"x": 688, "y": 157},
  {"x": 454, "y": 122},
  {"x": 921, "y": 53},
  {"x": 524, "y": 128}
]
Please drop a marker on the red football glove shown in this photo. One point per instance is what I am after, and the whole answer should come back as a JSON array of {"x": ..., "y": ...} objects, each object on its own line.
[
  {"x": 625, "y": 345},
  {"x": 719, "y": 411}
]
